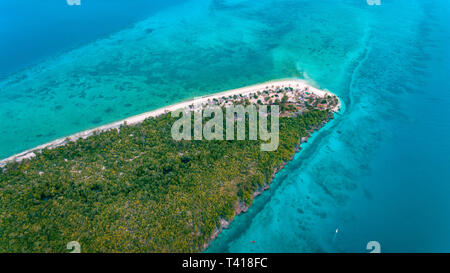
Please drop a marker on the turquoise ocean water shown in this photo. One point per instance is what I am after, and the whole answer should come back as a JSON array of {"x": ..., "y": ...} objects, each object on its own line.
[{"x": 379, "y": 171}]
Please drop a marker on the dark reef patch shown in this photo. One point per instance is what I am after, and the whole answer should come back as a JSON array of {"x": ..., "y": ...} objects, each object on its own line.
[
  {"x": 97, "y": 120},
  {"x": 109, "y": 110}
]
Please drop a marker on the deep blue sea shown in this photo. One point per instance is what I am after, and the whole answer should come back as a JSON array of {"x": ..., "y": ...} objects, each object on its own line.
[{"x": 380, "y": 171}]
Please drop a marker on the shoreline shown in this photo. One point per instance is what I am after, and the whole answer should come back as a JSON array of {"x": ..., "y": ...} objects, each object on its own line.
[
  {"x": 243, "y": 208},
  {"x": 133, "y": 120}
]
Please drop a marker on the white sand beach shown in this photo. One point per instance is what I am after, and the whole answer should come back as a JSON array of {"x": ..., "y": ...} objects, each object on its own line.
[{"x": 294, "y": 83}]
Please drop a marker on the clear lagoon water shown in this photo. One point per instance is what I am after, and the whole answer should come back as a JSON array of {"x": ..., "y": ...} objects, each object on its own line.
[{"x": 379, "y": 171}]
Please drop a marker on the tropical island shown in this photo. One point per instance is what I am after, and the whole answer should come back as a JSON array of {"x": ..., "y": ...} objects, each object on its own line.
[{"x": 130, "y": 187}]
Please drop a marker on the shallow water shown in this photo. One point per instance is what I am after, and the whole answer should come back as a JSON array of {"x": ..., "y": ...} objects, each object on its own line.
[{"x": 379, "y": 171}]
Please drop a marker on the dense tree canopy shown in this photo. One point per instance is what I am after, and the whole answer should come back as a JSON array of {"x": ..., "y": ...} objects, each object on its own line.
[{"x": 136, "y": 189}]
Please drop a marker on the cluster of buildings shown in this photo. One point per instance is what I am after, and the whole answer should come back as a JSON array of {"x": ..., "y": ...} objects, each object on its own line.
[{"x": 291, "y": 99}]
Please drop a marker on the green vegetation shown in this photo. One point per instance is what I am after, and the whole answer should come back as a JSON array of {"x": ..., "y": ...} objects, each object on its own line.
[{"x": 136, "y": 189}]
